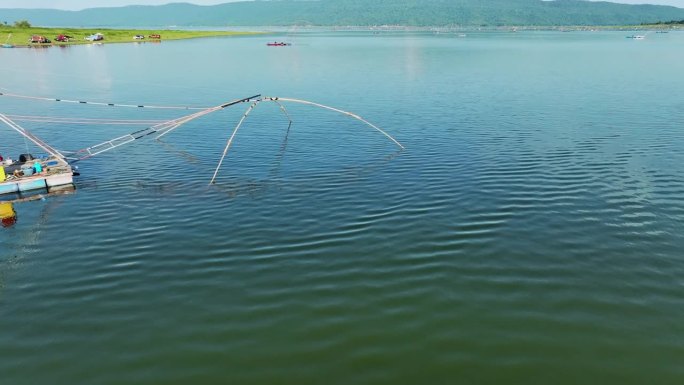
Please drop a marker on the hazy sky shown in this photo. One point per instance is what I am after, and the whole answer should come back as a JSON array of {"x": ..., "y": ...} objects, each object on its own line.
[{"x": 80, "y": 4}]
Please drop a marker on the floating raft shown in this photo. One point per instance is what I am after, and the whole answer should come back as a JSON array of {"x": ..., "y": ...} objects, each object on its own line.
[
  {"x": 56, "y": 175},
  {"x": 34, "y": 174}
]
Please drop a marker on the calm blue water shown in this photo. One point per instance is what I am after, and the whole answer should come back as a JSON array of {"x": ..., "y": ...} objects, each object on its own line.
[{"x": 529, "y": 233}]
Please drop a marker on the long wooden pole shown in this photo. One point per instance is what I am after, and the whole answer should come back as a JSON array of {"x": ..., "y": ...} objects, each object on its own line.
[
  {"x": 173, "y": 124},
  {"x": 230, "y": 140},
  {"x": 275, "y": 99},
  {"x": 38, "y": 142}
]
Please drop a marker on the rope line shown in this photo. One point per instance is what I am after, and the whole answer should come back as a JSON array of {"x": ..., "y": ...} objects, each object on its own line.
[
  {"x": 101, "y": 103},
  {"x": 54, "y": 119}
]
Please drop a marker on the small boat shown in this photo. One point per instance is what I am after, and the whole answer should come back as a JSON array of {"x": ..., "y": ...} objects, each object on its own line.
[
  {"x": 95, "y": 37},
  {"x": 278, "y": 44},
  {"x": 63, "y": 38},
  {"x": 636, "y": 37}
]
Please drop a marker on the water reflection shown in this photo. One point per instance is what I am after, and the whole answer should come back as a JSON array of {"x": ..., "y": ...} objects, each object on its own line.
[{"x": 7, "y": 214}]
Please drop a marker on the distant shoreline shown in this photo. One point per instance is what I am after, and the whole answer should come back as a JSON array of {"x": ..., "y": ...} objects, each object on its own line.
[{"x": 20, "y": 37}]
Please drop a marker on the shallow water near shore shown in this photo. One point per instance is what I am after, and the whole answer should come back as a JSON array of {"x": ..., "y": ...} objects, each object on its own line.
[{"x": 530, "y": 232}]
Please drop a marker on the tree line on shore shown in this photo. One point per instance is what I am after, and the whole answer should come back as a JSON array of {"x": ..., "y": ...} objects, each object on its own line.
[
  {"x": 18, "y": 24},
  {"x": 671, "y": 22}
]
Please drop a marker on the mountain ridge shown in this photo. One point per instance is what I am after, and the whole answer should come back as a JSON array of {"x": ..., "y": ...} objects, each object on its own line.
[{"x": 355, "y": 12}]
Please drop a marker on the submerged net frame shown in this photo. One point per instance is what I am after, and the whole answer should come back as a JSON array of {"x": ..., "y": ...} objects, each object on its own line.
[{"x": 161, "y": 128}]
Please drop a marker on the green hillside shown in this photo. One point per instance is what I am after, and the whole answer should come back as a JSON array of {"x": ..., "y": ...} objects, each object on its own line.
[{"x": 357, "y": 12}]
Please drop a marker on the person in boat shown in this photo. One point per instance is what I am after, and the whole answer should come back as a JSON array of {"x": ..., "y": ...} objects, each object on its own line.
[{"x": 1, "y": 158}]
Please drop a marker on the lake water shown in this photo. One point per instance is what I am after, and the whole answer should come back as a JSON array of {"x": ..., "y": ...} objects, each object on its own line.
[{"x": 530, "y": 232}]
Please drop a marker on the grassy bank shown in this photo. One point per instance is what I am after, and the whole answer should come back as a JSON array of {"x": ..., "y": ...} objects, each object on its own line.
[{"x": 21, "y": 36}]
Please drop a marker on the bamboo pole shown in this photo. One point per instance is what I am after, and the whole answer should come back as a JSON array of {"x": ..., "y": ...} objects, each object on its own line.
[
  {"x": 230, "y": 140},
  {"x": 275, "y": 99},
  {"x": 282, "y": 108},
  {"x": 173, "y": 124},
  {"x": 38, "y": 142}
]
